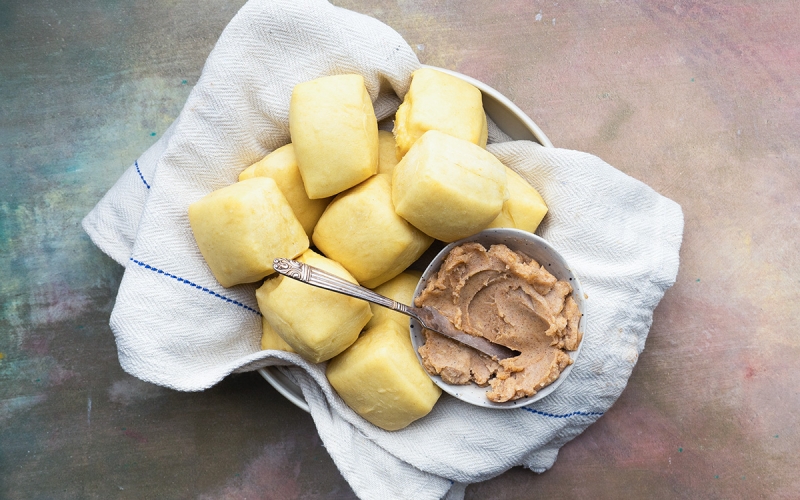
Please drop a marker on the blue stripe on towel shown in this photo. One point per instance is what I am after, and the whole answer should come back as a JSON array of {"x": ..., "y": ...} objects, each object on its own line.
[
  {"x": 566, "y": 415},
  {"x": 136, "y": 164},
  {"x": 194, "y": 285}
]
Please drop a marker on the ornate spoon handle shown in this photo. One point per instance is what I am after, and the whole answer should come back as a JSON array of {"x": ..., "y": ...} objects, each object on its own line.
[{"x": 317, "y": 277}]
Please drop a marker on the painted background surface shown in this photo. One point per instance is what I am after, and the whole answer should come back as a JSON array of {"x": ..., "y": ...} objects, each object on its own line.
[{"x": 700, "y": 100}]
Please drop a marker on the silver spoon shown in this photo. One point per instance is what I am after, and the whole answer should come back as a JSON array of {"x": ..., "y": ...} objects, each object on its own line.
[{"x": 429, "y": 317}]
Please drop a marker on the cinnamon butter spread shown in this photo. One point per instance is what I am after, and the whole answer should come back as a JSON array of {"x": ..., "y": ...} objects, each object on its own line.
[{"x": 511, "y": 300}]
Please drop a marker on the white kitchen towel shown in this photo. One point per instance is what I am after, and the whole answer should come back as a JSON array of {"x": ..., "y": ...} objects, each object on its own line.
[{"x": 177, "y": 327}]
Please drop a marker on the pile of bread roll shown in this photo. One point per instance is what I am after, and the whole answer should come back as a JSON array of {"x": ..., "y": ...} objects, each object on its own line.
[{"x": 371, "y": 202}]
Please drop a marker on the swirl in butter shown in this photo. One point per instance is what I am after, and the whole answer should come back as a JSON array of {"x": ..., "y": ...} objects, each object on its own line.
[{"x": 511, "y": 300}]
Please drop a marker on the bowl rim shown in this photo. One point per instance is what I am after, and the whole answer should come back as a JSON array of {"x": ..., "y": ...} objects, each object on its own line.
[
  {"x": 274, "y": 374},
  {"x": 472, "y": 393}
]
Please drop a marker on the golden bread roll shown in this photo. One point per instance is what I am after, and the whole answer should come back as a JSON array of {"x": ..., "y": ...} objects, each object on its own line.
[
  {"x": 241, "y": 228},
  {"x": 524, "y": 209},
  {"x": 361, "y": 231},
  {"x": 448, "y": 187},
  {"x": 380, "y": 378},
  {"x": 334, "y": 132},
  {"x": 438, "y": 101}
]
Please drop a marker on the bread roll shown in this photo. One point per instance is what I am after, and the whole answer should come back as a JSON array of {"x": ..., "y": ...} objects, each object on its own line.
[
  {"x": 334, "y": 132},
  {"x": 361, "y": 230},
  {"x": 448, "y": 187},
  {"x": 438, "y": 101},
  {"x": 241, "y": 228},
  {"x": 524, "y": 209},
  {"x": 380, "y": 378}
]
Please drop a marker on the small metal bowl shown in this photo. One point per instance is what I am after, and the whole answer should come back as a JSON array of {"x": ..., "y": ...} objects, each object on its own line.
[{"x": 542, "y": 252}]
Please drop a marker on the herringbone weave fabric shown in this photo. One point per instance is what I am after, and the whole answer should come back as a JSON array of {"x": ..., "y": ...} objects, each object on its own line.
[{"x": 177, "y": 327}]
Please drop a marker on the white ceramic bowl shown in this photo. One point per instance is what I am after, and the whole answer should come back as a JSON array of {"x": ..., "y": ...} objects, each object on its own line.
[
  {"x": 511, "y": 120},
  {"x": 542, "y": 252}
]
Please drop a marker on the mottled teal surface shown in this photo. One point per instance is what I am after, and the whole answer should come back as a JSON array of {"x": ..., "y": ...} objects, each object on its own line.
[
  {"x": 698, "y": 99},
  {"x": 84, "y": 88}
]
